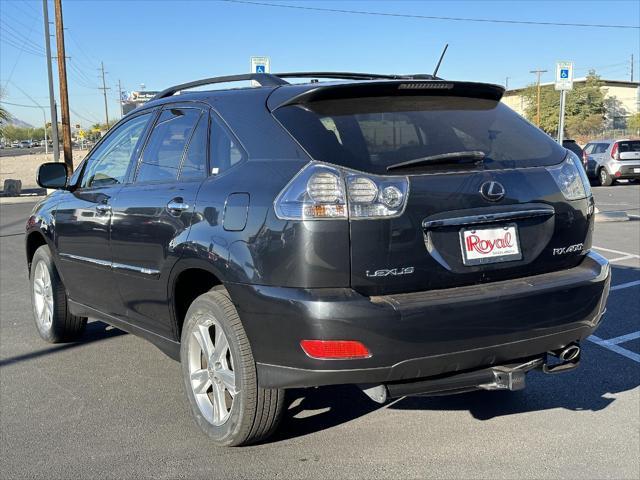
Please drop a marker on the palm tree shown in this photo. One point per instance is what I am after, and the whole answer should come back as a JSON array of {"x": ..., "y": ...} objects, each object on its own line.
[{"x": 4, "y": 115}]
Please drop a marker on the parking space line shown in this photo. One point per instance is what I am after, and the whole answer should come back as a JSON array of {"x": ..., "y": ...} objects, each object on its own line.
[
  {"x": 619, "y": 259},
  {"x": 632, "y": 255},
  {"x": 625, "y": 285},
  {"x": 615, "y": 348},
  {"x": 625, "y": 338}
]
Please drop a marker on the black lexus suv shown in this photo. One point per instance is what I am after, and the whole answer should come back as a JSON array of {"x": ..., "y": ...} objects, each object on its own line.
[{"x": 406, "y": 234}]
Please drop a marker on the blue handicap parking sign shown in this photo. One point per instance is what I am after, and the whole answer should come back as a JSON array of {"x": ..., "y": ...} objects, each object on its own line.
[
  {"x": 260, "y": 69},
  {"x": 564, "y": 73}
]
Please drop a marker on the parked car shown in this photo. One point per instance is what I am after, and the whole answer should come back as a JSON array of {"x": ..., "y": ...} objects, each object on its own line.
[
  {"x": 25, "y": 144},
  {"x": 35, "y": 143},
  {"x": 409, "y": 235},
  {"x": 611, "y": 160},
  {"x": 15, "y": 144}
]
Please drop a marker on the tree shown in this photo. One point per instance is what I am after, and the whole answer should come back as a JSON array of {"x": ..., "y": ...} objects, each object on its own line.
[
  {"x": 5, "y": 116},
  {"x": 584, "y": 109},
  {"x": 633, "y": 123}
]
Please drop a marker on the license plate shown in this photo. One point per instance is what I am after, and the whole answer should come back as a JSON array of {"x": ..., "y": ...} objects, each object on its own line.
[
  {"x": 636, "y": 170},
  {"x": 490, "y": 245}
]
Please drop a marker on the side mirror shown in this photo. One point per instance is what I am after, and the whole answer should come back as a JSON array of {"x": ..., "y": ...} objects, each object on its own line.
[{"x": 52, "y": 175}]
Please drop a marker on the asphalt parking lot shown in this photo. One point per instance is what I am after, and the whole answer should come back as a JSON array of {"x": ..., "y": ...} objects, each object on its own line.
[{"x": 112, "y": 405}]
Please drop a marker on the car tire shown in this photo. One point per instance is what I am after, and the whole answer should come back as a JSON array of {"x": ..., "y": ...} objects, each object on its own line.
[
  {"x": 54, "y": 322},
  {"x": 604, "y": 178},
  {"x": 220, "y": 377}
]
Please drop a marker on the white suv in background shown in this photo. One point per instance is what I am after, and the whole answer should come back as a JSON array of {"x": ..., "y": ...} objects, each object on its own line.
[{"x": 611, "y": 160}]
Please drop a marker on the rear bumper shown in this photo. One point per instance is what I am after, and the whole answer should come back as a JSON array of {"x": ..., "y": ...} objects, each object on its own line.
[
  {"x": 421, "y": 334},
  {"x": 628, "y": 171}
]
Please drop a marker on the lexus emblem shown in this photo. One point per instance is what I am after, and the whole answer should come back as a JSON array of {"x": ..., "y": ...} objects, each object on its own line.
[{"x": 492, "y": 191}]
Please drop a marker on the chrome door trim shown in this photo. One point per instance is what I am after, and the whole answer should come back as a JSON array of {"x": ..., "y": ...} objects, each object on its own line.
[
  {"x": 112, "y": 265},
  {"x": 133, "y": 268},
  {"x": 94, "y": 261}
]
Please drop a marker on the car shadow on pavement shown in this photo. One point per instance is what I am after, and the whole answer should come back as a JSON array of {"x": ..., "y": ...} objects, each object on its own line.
[{"x": 96, "y": 331}]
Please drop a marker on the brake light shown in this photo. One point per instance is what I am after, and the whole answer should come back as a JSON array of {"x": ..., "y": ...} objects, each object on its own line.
[
  {"x": 323, "y": 192},
  {"x": 334, "y": 349},
  {"x": 614, "y": 152}
]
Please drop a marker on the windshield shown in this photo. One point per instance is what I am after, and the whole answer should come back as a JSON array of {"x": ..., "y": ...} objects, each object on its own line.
[{"x": 371, "y": 134}]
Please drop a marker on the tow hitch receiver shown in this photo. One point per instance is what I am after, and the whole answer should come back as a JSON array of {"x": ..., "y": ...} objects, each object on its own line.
[{"x": 504, "y": 377}]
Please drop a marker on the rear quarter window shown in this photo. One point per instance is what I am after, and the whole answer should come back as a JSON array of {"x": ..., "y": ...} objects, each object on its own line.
[{"x": 370, "y": 134}]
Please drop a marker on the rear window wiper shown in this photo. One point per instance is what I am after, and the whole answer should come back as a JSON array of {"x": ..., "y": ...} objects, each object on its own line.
[{"x": 453, "y": 157}]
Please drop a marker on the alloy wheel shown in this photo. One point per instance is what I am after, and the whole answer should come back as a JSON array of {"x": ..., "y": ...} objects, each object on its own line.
[
  {"x": 211, "y": 373},
  {"x": 43, "y": 295}
]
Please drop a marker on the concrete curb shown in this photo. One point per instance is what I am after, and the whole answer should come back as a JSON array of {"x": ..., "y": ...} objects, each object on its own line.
[
  {"x": 611, "y": 216},
  {"x": 20, "y": 199}
]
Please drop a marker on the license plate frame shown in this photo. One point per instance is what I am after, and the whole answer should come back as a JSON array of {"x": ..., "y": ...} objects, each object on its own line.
[{"x": 509, "y": 257}]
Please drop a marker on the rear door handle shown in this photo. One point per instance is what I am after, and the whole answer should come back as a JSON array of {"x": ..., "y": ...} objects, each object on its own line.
[
  {"x": 103, "y": 209},
  {"x": 177, "y": 206}
]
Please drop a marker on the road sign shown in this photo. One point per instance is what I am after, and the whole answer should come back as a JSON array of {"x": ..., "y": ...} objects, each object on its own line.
[
  {"x": 564, "y": 76},
  {"x": 260, "y": 65}
]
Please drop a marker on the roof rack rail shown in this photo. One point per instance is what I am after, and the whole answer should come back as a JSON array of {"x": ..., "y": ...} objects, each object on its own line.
[
  {"x": 355, "y": 76},
  {"x": 264, "y": 79},
  {"x": 275, "y": 80}
]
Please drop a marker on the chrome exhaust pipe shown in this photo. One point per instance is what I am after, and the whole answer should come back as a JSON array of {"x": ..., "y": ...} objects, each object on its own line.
[
  {"x": 569, "y": 357},
  {"x": 569, "y": 353}
]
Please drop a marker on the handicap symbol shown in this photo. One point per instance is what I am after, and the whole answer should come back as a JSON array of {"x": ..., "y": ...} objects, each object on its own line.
[
  {"x": 564, "y": 73},
  {"x": 260, "y": 69}
]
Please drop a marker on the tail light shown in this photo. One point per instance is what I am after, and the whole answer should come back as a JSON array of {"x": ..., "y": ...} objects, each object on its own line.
[
  {"x": 614, "y": 152},
  {"x": 324, "y": 192},
  {"x": 571, "y": 178}
]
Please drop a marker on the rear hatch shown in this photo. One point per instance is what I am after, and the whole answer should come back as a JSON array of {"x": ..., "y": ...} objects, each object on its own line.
[
  {"x": 626, "y": 150},
  {"x": 482, "y": 204}
]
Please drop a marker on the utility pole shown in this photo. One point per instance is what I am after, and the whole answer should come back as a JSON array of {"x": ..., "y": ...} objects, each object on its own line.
[
  {"x": 104, "y": 91},
  {"x": 64, "y": 93},
  {"x": 506, "y": 83},
  {"x": 538, "y": 74},
  {"x": 52, "y": 98},
  {"x": 632, "y": 67},
  {"x": 120, "y": 98}
]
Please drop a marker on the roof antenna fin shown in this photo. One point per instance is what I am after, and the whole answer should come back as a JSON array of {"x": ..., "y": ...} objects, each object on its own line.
[{"x": 435, "y": 72}]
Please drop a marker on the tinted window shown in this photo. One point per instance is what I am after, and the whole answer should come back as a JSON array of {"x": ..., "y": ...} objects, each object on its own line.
[
  {"x": 109, "y": 163},
  {"x": 370, "y": 134},
  {"x": 600, "y": 147},
  {"x": 629, "y": 146},
  {"x": 195, "y": 160},
  {"x": 225, "y": 152},
  {"x": 162, "y": 156}
]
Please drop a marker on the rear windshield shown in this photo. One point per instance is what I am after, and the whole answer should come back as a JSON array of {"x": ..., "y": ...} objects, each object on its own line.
[
  {"x": 629, "y": 146},
  {"x": 370, "y": 134}
]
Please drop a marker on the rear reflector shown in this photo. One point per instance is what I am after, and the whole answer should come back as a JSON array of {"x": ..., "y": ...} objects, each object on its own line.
[{"x": 334, "y": 349}]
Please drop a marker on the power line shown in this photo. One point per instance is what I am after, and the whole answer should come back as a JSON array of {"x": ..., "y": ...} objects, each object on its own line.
[
  {"x": 19, "y": 36},
  {"x": 431, "y": 17},
  {"x": 20, "y": 48}
]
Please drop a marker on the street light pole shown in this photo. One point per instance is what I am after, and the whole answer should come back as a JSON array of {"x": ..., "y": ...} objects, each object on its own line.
[{"x": 52, "y": 99}]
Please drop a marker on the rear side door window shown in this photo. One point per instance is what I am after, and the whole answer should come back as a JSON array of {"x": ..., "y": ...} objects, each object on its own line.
[{"x": 165, "y": 149}]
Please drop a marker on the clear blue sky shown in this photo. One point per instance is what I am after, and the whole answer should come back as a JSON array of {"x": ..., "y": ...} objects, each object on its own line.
[{"x": 160, "y": 43}]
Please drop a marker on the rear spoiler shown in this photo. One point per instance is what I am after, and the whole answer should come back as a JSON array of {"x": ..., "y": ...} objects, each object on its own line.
[{"x": 303, "y": 94}]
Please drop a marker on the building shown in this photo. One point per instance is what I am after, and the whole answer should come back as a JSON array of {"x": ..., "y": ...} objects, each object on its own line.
[{"x": 622, "y": 99}]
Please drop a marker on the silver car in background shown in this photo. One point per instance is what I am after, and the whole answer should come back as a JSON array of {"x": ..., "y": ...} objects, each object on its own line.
[{"x": 611, "y": 160}]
